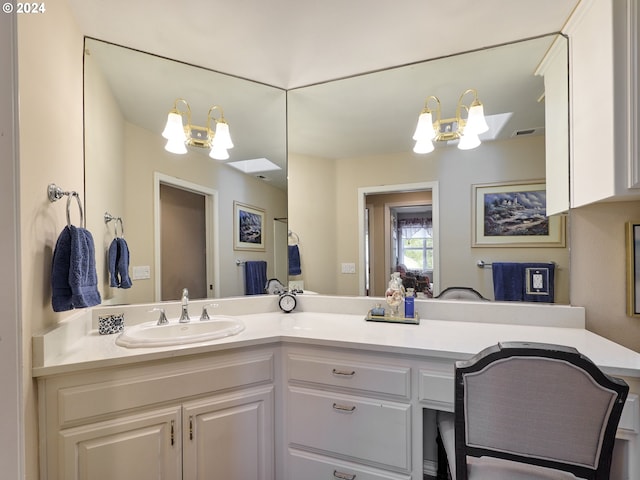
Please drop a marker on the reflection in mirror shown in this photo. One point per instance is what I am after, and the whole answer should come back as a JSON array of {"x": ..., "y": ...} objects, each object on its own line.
[
  {"x": 128, "y": 173},
  {"x": 352, "y": 138}
]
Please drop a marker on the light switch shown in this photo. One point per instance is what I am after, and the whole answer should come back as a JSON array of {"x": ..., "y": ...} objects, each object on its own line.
[
  {"x": 141, "y": 272},
  {"x": 348, "y": 268}
]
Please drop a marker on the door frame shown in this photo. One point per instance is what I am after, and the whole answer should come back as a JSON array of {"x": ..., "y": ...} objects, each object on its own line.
[
  {"x": 211, "y": 226},
  {"x": 400, "y": 188}
]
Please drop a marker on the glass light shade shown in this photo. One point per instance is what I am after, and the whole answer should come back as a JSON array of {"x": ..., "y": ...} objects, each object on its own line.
[
  {"x": 468, "y": 141},
  {"x": 222, "y": 137},
  {"x": 176, "y": 146},
  {"x": 423, "y": 146},
  {"x": 218, "y": 153},
  {"x": 174, "y": 130},
  {"x": 424, "y": 128},
  {"x": 476, "y": 123}
]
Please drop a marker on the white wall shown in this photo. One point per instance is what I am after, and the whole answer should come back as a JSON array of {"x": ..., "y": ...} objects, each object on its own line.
[
  {"x": 104, "y": 144},
  {"x": 312, "y": 216},
  {"x": 51, "y": 150}
]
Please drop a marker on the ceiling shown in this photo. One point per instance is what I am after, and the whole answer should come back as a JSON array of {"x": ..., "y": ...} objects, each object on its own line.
[
  {"x": 295, "y": 43},
  {"x": 291, "y": 43}
]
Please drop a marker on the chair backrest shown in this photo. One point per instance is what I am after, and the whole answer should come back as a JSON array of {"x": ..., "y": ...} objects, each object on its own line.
[
  {"x": 460, "y": 293},
  {"x": 538, "y": 404}
]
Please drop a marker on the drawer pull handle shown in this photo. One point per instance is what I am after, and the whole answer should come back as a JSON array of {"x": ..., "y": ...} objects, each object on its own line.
[
  {"x": 344, "y": 408},
  {"x": 343, "y": 373},
  {"x": 343, "y": 476}
]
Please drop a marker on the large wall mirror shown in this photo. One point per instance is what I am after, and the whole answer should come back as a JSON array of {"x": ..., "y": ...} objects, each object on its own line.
[
  {"x": 352, "y": 168},
  {"x": 129, "y": 175}
]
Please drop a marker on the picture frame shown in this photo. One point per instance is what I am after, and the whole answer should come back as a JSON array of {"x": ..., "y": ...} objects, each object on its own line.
[
  {"x": 513, "y": 214},
  {"x": 248, "y": 227},
  {"x": 632, "y": 231}
]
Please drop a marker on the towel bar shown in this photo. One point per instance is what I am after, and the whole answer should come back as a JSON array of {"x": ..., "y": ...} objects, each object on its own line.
[{"x": 483, "y": 264}]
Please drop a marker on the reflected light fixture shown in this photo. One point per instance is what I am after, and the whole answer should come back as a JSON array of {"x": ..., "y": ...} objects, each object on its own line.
[
  {"x": 466, "y": 130},
  {"x": 179, "y": 135}
]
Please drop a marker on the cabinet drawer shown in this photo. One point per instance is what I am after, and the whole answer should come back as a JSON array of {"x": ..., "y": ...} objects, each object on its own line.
[
  {"x": 436, "y": 388},
  {"x": 350, "y": 374},
  {"x": 84, "y": 402},
  {"x": 371, "y": 431},
  {"x": 309, "y": 465}
]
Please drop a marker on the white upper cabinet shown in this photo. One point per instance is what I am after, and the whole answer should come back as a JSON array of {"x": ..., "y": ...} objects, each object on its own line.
[{"x": 603, "y": 63}]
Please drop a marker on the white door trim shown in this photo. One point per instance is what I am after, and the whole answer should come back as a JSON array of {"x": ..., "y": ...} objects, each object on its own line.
[
  {"x": 406, "y": 187},
  {"x": 212, "y": 241}
]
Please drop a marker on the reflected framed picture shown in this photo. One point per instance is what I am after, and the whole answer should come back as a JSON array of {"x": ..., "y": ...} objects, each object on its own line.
[
  {"x": 248, "y": 227},
  {"x": 633, "y": 268},
  {"x": 514, "y": 215}
]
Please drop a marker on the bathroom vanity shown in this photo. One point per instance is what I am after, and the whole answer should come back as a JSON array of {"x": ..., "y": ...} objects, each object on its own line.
[{"x": 317, "y": 393}]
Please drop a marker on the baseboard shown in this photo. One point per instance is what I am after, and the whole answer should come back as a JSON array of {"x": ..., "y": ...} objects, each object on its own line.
[{"x": 429, "y": 467}]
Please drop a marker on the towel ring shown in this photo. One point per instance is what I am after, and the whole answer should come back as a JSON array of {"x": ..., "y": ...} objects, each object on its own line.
[
  {"x": 115, "y": 227},
  {"x": 108, "y": 217},
  {"x": 293, "y": 238},
  {"x": 77, "y": 197}
]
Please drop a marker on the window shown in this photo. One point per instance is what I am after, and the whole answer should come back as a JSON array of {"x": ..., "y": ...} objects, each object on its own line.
[{"x": 416, "y": 243}]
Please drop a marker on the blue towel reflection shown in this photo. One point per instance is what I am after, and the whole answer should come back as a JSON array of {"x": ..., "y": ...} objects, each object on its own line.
[
  {"x": 255, "y": 277},
  {"x": 524, "y": 282},
  {"x": 294, "y": 260}
]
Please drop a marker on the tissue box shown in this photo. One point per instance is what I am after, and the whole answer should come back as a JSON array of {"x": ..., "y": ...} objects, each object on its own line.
[{"x": 109, "y": 324}]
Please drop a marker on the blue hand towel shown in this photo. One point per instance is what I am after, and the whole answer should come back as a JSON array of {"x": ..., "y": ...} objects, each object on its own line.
[
  {"x": 112, "y": 257},
  {"x": 508, "y": 281},
  {"x": 123, "y": 263},
  {"x": 74, "y": 281},
  {"x": 255, "y": 277},
  {"x": 294, "y": 260},
  {"x": 119, "y": 264},
  {"x": 524, "y": 282}
]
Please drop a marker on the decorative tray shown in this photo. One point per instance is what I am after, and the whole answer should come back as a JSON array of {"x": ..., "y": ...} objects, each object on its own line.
[{"x": 391, "y": 319}]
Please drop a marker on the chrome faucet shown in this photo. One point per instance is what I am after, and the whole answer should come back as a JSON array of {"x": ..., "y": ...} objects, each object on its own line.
[{"x": 184, "y": 316}]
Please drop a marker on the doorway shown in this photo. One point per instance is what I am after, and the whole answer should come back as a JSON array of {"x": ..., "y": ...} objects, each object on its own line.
[
  {"x": 185, "y": 239},
  {"x": 380, "y": 258}
]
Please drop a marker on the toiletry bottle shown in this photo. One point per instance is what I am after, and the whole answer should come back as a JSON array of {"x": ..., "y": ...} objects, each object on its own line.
[{"x": 409, "y": 306}]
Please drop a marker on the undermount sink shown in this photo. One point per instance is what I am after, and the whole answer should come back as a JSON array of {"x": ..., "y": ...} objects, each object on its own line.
[{"x": 150, "y": 334}]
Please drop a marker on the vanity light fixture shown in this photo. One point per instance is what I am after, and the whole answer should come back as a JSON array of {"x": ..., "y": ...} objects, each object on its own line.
[
  {"x": 466, "y": 130},
  {"x": 179, "y": 135}
]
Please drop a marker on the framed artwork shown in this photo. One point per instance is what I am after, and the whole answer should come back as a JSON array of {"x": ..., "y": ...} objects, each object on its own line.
[
  {"x": 514, "y": 215},
  {"x": 248, "y": 227},
  {"x": 633, "y": 268}
]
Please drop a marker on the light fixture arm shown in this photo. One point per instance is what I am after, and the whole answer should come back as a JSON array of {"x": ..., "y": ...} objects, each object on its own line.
[
  {"x": 461, "y": 105},
  {"x": 211, "y": 117},
  {"x": 186, "y": 111}
]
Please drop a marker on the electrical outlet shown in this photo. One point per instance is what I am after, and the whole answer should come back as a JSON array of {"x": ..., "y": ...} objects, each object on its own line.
[{"x": 348, "y": 268}]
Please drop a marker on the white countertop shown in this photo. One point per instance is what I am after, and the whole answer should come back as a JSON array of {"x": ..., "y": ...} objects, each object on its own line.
[{"x": 76, "y": 345}]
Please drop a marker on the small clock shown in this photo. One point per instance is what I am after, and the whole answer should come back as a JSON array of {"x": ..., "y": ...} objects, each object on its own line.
[{"x": 287, "y": 302}]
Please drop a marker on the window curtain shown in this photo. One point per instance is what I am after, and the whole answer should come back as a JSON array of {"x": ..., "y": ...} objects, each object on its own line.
[{"x": 408, "y": 227}]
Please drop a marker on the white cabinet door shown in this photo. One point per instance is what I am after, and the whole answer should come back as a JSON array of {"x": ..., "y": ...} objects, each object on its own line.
[
  {"x": 555, "y": 70},
  {"x": 230, "y": 436},
  {"x": 146, "y": 446}
]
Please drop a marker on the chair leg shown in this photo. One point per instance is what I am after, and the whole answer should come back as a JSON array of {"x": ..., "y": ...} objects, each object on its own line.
[{"x": 443, "y": 462}]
